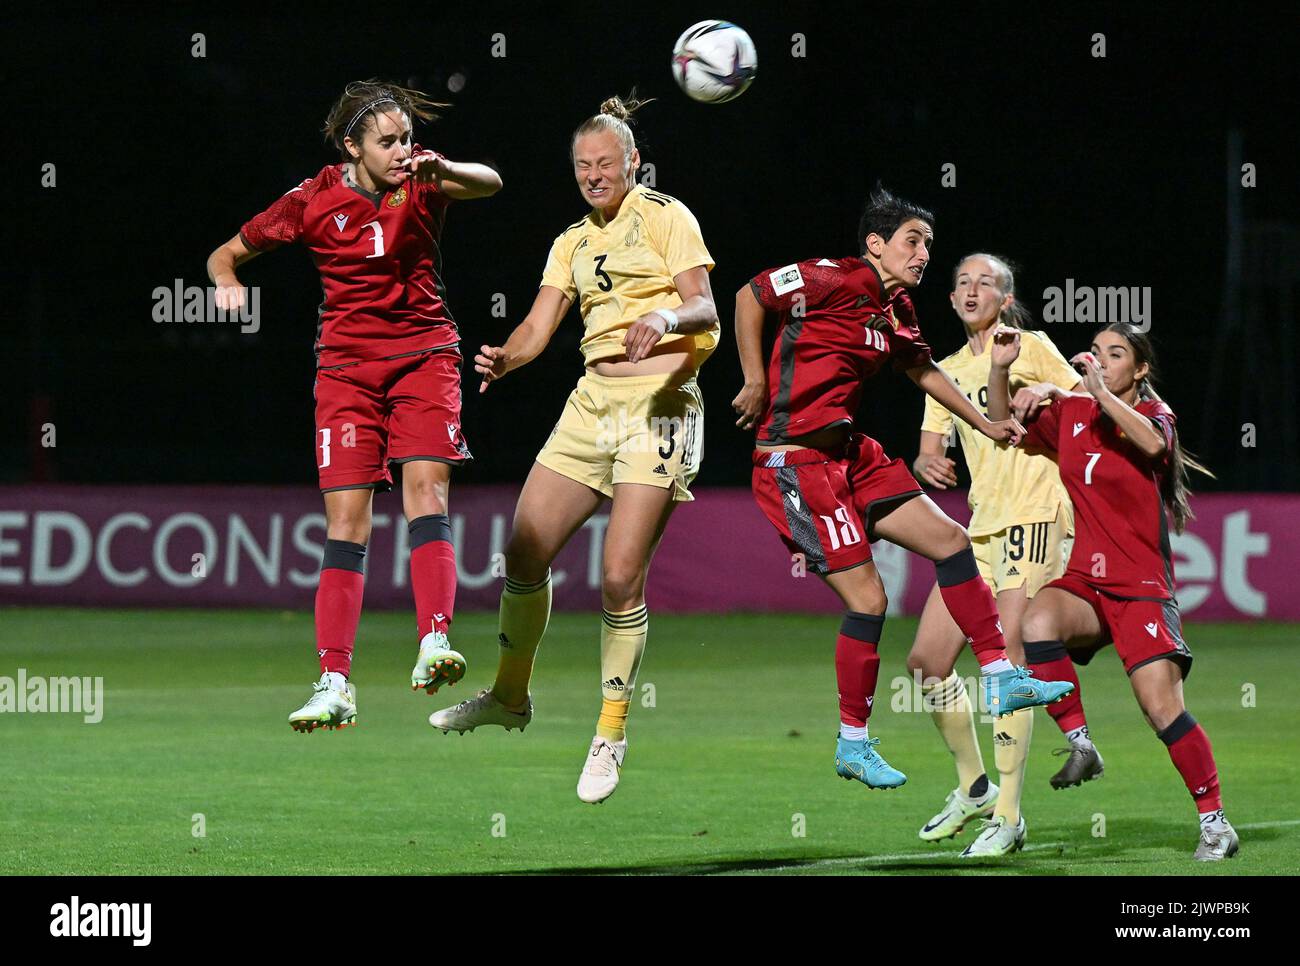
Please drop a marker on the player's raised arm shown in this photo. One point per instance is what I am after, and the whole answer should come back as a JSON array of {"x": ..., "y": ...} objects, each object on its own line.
[
  {"x": 528, "y": 339},
  {"x": 462, "y": 180},
  {"x": 1134, "y": 427},
  {"x": 221, "y": 271},
  {"x": 938, "y": 384},
  {"x": 750, "y": 317},
  {"x": 697, "y": 313}
]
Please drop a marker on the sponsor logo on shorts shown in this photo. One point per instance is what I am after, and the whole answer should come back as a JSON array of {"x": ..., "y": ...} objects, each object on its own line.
[
  {"x": 1151, "y": 628},
  {"x": 1013, "y": 572},
  {"x": 794, "y": 499},
  {"x": 660, "y": 470}
]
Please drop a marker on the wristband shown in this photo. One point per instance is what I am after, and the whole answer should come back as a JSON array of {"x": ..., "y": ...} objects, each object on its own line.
[{"x": 670, "y": 319}]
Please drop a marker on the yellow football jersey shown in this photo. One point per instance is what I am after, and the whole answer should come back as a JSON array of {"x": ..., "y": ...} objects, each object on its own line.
[
  {"x": 617, "y": 272},
  {"x": 1009, "y": 486}
]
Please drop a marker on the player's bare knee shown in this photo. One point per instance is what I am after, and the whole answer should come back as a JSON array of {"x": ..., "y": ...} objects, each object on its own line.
[
  {"x": 1038, "y": 624},
  {"x": 622, "y": 584},
  {"x": 350, "y": 527},
  {"x": 525, "y": 562},
  {"x": 956, "y": 539},
  {"x": 874, "y": 600}
]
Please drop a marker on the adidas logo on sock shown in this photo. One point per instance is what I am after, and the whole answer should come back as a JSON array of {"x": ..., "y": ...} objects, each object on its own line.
[
  {"x": 1002, "y": 739},
  {"x": 504, "y": 641},
  {"x": 615, "y": 684},
  {"x": 660, "y": 470}
]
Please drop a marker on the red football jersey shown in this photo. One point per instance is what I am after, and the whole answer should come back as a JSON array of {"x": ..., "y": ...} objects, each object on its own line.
[
  {"x": 1121, "y": 536},
  {"x": 378, "y": 259},
  {"x": 837, "y": 328}
]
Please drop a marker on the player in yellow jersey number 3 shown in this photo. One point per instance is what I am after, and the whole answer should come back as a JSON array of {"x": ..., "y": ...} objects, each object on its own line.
[{"x": 631, "y": 432}]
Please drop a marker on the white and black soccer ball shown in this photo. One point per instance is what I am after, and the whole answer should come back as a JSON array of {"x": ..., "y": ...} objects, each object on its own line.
[{"x": 714, "y": 61}]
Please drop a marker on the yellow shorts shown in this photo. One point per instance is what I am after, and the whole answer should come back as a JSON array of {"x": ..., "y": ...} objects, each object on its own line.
[
  {"x": 629, "y": 429},
  {"x": 1028, "y": 555}
]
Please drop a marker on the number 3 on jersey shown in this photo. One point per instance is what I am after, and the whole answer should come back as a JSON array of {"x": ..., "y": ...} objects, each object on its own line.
[{"x": 606, "y": 283}]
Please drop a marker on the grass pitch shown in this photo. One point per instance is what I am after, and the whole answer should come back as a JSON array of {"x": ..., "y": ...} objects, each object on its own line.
[{"x": 730, "y": 771}]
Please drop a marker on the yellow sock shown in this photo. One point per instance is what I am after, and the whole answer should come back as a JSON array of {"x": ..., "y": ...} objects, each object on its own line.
[
  {"x": 1011, "y": 754},
  {"x": 613, "y": 719},
  {"x": 525, "y": 612},
  {"x": 950, "y": 710},
  {"x": 622, "y": 642}
]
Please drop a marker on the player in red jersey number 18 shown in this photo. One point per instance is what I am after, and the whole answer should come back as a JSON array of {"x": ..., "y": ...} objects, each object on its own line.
[{"x": 828, "y": 491}]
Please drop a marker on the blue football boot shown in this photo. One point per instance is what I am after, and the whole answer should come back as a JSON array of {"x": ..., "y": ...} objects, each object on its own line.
[
  {"x": 1008, "y": 691},
  {"x": 858, "y": 759}
]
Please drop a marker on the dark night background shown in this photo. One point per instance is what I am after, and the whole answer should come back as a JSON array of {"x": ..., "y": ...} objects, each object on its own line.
[{"x": 1110, "y": 171}]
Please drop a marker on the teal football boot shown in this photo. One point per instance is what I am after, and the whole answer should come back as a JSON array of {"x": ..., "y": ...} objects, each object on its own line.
[
  {"x": 859, "y": 759},
  {"x": 1012, "y": 690}
]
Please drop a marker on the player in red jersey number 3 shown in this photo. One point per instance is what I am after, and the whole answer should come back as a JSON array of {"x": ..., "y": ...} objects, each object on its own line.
[{"x": 388, "y": 366}]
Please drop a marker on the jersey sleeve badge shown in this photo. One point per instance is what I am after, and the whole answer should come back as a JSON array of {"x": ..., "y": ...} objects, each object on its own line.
[{"x": 786, "y": 279}]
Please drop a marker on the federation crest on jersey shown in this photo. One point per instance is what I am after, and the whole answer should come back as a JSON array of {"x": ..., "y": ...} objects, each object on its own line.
[
  {"x": 397, "y": 197},
  {"x": 786, "y": 279},
  {"x": 633, "y": 235}
]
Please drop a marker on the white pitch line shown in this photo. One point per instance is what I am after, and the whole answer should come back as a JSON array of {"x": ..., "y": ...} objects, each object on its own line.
[
  {"x": 899, "y": 856},
  {"x": 949, "y": 854},
  {"x": 1253, "y": 825}
]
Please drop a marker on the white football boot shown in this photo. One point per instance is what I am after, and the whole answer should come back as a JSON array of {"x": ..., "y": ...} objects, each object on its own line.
[
  {"x": 957, "y": 811},
  {"x": 599, "y": 775},
  {"x": 1216, "y": 846},
  {"x": 437, "y": 664},
  {"x": 997, "y": 838},
  {"x": 329, "y": 706},
  {"x": 482, "y": 709}
]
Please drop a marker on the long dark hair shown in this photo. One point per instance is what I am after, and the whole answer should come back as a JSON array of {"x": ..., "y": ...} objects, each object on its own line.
[
  {"x": 354, "y": 112},
  {"x": 1174, "y": 490}
]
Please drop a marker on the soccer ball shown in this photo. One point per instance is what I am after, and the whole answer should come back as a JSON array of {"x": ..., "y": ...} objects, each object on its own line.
[{"x": 714, "y": 61}]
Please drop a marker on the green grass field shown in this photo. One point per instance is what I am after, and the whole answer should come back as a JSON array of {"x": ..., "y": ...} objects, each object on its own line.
[{"x": 738, "y": 745}]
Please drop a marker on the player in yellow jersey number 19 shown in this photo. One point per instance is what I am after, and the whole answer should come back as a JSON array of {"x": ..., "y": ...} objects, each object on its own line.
[{"x": 631, "y": 431}]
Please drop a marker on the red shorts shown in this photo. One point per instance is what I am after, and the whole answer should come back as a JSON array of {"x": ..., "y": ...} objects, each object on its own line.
[
  {"x": 820, "y": 501},
  {"x": 371, "y": 414},
  {"x": 1142, "y": 630}
]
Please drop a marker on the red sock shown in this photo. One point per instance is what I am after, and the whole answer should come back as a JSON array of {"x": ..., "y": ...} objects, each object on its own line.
[
  {"x": 1051, "y": 662},
  {"x": 857, "y": 665},
  {"x": 433, "y": 572},
  {"x": 1190, "y": 751},
  {"x": 971, "y": 604},
  {"x": 338, "y": 604}
]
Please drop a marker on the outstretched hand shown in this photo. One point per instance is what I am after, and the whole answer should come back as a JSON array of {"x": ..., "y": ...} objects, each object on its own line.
[{"x": 490, "y": 363}]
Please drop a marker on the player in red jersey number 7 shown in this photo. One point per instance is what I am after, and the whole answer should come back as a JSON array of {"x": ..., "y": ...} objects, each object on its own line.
[
  {"x": 388, "y": 366},
  {"x": 1122, "y": 464},
  {"x": 829, "y": 491}
]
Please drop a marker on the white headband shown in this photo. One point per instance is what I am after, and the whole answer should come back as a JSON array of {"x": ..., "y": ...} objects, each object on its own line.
[{"x": 383, "y": 100}]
